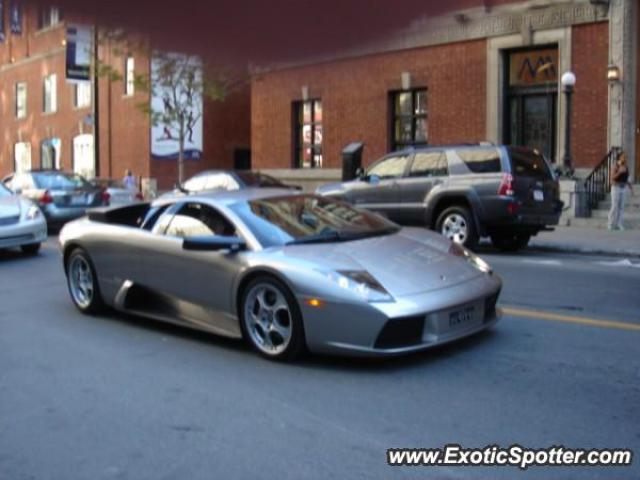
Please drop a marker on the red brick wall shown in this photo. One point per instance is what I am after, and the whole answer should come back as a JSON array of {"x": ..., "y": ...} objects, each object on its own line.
[
  {"x": 355, "y": 101},
  {"x": 590, "y": 55},
  {"x": 124, "y": 128}
]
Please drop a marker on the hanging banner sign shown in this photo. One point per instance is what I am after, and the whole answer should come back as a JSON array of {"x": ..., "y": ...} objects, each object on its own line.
[
  {"x": 79, "y": 49},
  {"x": 165, "y": 143},
  {"x": 15, "y": 18},
  {"x": 2, "y": 21}
]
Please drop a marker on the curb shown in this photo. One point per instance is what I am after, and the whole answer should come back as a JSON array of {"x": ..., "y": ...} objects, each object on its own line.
[{"x": 577, "y": 250}]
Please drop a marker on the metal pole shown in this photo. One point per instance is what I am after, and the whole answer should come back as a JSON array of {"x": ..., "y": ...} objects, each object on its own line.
[
  {"x": 96, "y": 104},
  {"x": 568, "y": 91}
]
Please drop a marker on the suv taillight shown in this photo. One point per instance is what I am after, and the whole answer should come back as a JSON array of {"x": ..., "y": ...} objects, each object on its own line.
[
  {"x": 506, "y": 185},
  {"x": 45, "y": 198},
  {"x": 106, "y": 196}
]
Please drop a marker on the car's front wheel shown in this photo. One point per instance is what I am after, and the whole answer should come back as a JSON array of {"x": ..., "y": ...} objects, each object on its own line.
[
  {"x": 457, "y": 224},
  {"x": 510, "y": 242},
  {"x": 83, "y": 282},
  {"x": 271, "y": 319}
]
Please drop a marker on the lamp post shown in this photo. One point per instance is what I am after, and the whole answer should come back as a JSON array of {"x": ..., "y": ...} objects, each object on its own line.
[{"x": 568, "y": 81}]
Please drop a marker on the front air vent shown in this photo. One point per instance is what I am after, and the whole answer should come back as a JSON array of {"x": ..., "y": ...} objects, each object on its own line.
[{"x": 401, "y": 332}]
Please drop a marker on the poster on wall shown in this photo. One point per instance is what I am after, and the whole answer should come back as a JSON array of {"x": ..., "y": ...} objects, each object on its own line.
[
  {"x": 15, "y": 18},
  {"x": 79, "y": 50},
  {"x": 1, "y": 20},
  {"x": 165, "y": 131}
]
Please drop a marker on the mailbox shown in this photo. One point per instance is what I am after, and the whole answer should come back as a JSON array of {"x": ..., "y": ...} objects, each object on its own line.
[{"x": 351, "y": 160}]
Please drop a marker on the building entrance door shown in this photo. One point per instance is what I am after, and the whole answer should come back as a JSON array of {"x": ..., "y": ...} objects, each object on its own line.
[{"x": 531, "y": 99}]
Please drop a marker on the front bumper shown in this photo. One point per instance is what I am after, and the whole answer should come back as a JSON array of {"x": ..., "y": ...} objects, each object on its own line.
[
  {"x": 23, "y": 233},
  {"x": 411, "y": 323}
]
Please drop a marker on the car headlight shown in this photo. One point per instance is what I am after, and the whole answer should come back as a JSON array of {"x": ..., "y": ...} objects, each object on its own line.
[
  {"x": 362, "y": 283},
  {"x": 459, "y": 251},
  {"x": 33, "y": 212}
]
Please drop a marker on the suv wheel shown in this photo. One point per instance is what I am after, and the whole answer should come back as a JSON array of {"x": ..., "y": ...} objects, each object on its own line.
[
  {"x": 510, "y": 242},
  {"x": 457, "y": 224}
]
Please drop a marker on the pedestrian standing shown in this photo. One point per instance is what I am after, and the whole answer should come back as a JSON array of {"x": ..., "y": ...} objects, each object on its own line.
[
  {"x": 129, "y": 180},
  {"x": 619, "y": 184}
]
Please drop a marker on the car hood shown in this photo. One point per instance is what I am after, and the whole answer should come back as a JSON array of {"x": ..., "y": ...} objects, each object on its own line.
[
  {"x": 408, "y": 262},
  {"x": 10, "y": 206}
]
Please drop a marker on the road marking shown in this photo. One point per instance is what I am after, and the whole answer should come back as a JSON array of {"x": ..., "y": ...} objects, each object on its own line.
[
  {"x": 621, "y": 263},
  {"x": 517, "y": 312},
  {"x": 541, "y": 261}
]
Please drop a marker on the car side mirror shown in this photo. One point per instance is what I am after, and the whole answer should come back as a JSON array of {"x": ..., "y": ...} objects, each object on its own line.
[{"x": 214, "y": 243}]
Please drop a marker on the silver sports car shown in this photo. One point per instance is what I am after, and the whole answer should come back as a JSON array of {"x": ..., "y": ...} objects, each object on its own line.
[{"x": 286, "y": 271}]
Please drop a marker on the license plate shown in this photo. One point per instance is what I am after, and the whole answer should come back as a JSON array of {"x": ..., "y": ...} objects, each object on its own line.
[
  {"x": 538, "y": 195},
  {"x": 461, "y": 317},
  {"x": 78, "y": 200}
]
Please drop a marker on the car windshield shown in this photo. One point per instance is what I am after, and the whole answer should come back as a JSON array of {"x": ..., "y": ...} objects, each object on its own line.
[
  {"x": 297, "y": 219},
  {"x": 254, "y": 179},
  {"x": 59, "y": 181},
  {"x": 4, "y": 191}
]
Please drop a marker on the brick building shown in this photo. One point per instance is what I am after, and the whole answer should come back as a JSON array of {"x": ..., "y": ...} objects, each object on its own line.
[
  {"x": 491, "y": 72},
  {"x": 46, "y": 122}
]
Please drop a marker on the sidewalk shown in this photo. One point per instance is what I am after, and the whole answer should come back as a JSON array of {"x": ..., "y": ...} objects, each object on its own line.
[{"x": 589, "y": 240}]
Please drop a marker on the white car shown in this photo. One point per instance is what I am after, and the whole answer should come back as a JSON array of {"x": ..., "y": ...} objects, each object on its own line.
[
  {"x": 117, "y": 193},
  {"x": 22, "y": 223}
]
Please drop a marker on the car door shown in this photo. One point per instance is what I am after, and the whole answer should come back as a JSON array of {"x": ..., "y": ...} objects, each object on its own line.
[
  {"x": 379, "y": 191},
  {"x": 199, "y": 282},
  {"x": 427, "y": 169}
]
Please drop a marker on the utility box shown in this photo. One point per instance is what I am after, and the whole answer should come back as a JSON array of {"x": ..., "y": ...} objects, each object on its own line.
[{"x": 351, "y": 160}]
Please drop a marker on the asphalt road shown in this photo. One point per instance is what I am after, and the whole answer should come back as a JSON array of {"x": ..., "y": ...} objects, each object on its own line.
[{"x": 118, "y": 397}]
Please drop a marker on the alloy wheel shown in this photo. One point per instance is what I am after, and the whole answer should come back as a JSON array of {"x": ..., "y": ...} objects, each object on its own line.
[
  {"x": 455, "y": 228},
  {"x": 268, "y": 318},
  {"x": 81, "y": 281}
]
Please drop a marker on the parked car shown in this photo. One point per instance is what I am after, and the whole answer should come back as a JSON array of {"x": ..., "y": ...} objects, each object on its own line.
[
  {"x": 285, "y": 271},
  {"x": 117, "y": 192},
  {"x": 62, "y": 196},
  {"x": 227, "y": 180},
  {"x": 22, "y": 224},
  {"x": 464, "y": 192}
]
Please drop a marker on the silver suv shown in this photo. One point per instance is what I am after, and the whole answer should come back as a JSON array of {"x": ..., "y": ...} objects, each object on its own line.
[{"x": 464, "y": 192}]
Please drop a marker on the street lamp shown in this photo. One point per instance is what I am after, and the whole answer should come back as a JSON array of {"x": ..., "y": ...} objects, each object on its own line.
[{"x": 568, "y": 81}]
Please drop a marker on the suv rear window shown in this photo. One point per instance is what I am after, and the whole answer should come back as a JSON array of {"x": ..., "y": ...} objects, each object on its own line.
[
  {"x": 528, "y": 162},
  {"x": 481, "y": 160}
]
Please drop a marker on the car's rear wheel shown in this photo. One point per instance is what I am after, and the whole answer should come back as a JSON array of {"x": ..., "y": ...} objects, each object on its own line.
[
  {"x": 457, "y": 224},
  {"x": 83, "y": 282},
  {"x": 271, "y": 319},
  {"x": 510, "y": 242},
  {"x": 31, "y": 249}
]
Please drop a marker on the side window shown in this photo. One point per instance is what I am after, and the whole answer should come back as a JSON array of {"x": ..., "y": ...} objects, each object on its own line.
[
  {"x": 429, "y": 164},
  {"x": 152, "y": 216},
  {"x": 392, "y": 167},
  {"x": 481, "y": 160},
  {"x": 195, "y": 219}
]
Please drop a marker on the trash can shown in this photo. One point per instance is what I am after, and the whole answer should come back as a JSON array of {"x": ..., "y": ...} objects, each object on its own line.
[
  {"x": 582, "y": 201},
  {"x": 351, "y": 160}
]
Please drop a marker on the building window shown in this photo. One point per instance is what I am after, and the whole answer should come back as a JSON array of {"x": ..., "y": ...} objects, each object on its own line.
[
  {"x": 410, "y": 119},
  {"x": 48, "y": 17},
  {"x": 50, "y": 97},
  {"x": 50, "y": 153},
  {"x": 82, "y": 94},
  {"x": 308, "y": 134},
  {"x": 22, "y": 157},
  {"x": 21, "y": 100},
  {"x": 129, "y": 76}
]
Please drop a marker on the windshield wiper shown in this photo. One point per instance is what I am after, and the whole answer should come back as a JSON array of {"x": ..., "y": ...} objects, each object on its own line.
[
  {"x": 326, "y": 236},
  {"x": 338, "y": 236}
]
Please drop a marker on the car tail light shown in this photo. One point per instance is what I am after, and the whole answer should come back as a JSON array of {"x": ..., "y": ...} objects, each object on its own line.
[
  {"x": 45, "y": 198},
  {"x": 512, "y": 208},
  {"x": 139, "y": 196},
  {"x": 106, "y": 196},
  {"x": 506, "y": 185}
]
